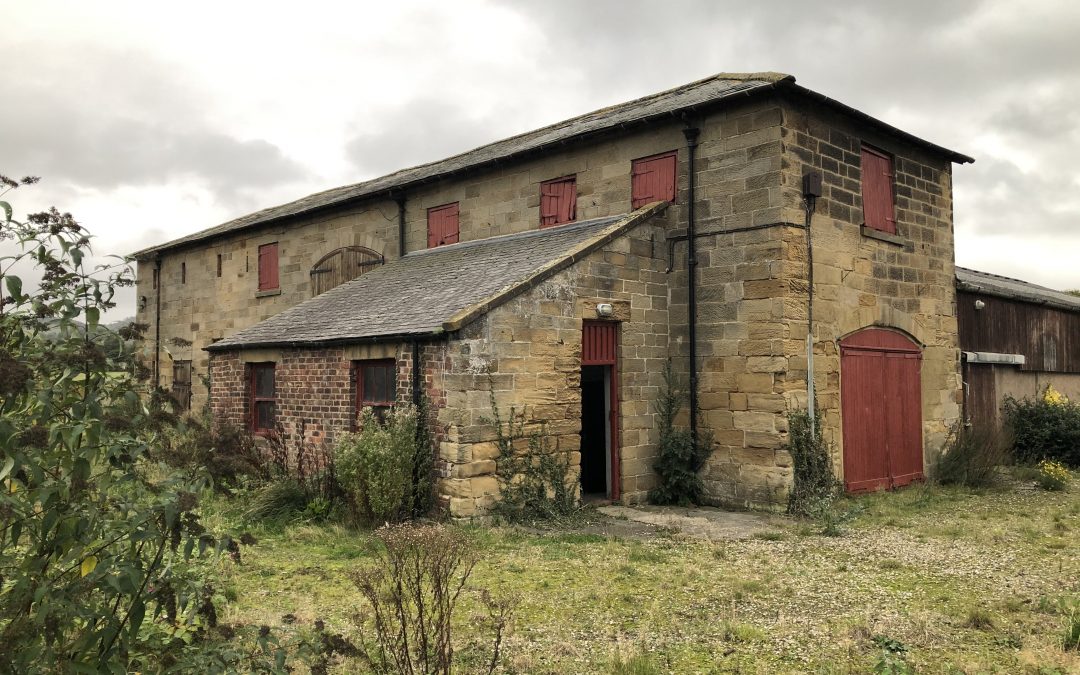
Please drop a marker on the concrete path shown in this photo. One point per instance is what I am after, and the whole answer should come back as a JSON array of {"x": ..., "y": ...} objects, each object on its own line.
[{"x": 701, "y": 522}]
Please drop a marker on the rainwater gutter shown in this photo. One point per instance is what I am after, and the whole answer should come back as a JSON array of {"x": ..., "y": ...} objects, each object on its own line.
[
  {"x": 416, "y": 372},
  {"x": 157, "y": 322},
  {"x": 691, "y": 135},
  {"x": 401, "y": 224}
]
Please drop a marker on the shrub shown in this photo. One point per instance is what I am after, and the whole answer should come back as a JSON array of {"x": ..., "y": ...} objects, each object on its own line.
[
  {"x": 375, "y": 465},
  {"x": 1052, "y": 475},
  {"x": 535, "y": 483},
  {"x": 225, "y": 452},
  {"x": 678, "y": 456},
  {"x": 96, "y": 552},
  {"x": 411, "y": 593},
  {"x": 971, "y": 457},
  {"x": 815, "y": 487},
  {"x": 1046, "y": 427}
]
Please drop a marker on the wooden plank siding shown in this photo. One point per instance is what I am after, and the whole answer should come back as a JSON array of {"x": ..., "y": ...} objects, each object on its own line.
[{"x": 1048, "y": 338}]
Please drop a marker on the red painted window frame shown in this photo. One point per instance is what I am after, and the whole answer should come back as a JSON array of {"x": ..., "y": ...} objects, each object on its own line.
[
  {"x": 878, "y": 191},
  {"x": 444, "y": 224},
  {"x": 255, "y": 399},
  {"x": 268, "y": 267},
  {"x": 381, "y": 406},
  {"x": 640, "y": 194},
  {"x": 558, "y": 201}
]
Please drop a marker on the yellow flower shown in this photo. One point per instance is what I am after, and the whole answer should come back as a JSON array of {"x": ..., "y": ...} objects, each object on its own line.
[{"x": 1053, "y": 396}]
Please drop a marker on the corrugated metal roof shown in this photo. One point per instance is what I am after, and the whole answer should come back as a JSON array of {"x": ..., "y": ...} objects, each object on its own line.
[
  {"x": 663, "y": 104},
  {"x": 435, "y": 290},
  {"x": 1014, "y": 289}
]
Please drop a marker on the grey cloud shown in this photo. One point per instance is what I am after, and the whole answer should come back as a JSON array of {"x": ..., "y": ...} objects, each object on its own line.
[
  {"x": 112, "y": 119},
  {"x": 418, "y": 131}
]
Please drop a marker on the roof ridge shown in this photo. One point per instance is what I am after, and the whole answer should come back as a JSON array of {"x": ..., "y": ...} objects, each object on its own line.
[{"x": 527, "y": 234}]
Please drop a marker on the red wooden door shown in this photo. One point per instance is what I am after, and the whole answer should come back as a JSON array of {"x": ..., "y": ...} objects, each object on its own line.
[
  {"x": 881, "y": 399},
  {"x": 599, "y": 347}
]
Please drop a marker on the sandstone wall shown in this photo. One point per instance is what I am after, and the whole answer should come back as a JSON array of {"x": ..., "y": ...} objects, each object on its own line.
[
  {"x": 864, "y": 278},
  {"x": 527, "y": 353},
  {"x": 207, "y": 307}
]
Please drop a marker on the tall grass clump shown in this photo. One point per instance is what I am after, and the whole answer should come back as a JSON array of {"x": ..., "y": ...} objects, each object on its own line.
[
  {"x": 815, "y": 487},
  {"x": 971, "y": 457}
]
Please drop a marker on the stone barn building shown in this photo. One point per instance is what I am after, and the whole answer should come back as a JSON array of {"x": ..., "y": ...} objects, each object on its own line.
[{"x": 560, "y": 270}]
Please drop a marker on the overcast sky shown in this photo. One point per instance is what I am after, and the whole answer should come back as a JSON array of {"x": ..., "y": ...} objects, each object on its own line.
[{"x": 152, "y": 120}]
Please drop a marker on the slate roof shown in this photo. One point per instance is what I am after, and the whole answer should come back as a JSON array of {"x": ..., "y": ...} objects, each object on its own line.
[
  {"x": 1014, "y": 289},
  {"x": 665, "y": 104},
  {"x": 436, "y": 290}
]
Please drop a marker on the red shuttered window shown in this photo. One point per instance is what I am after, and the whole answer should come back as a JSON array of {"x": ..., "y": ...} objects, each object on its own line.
[
  {"x": 652, "y": 179},
  {"x": 558, "y": 201},
  {"x": 262, "y": 389},
  {"x": 442, "y": 225},
  {"x": 268, "y": 267},
  {"x": 879, "y": 210},
  {"x": 376, "y": 385}
]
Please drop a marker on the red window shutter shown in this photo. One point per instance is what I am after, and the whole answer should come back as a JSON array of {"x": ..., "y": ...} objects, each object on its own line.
[
  {"x": 443, "y": 225},
  {"x": 652, "y": 179},
  {"x": 879, "y": 211},
  {"x": 558, "y": 201},
  {"x": 268, "y": 267}
]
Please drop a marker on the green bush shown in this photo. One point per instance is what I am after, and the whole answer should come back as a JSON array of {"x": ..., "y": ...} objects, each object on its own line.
[
  {"x": 678, "y": 457},
  {"x": 375, "y": 465},
  {"x": 227, "y": 453},
  {"x": 99, "y": 568},
  {"x": 815, "y": 487},
  {"x": 971, "y": 457},
  {"x": 535, "y": 483},
  {"x": 1044, "y": 428}
]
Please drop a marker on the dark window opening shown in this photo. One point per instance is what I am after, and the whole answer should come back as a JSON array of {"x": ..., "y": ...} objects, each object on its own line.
[
  {"x": 157, "y": 272},
  {"x": 652, "y": 179},
  {"x": 376, "y": 385},
  {"x": 181, "y": 384},
  {"x": 183, "y": 272},
  {"x": 263, "y": 402},
  {"x": 219, "y": 264},
  {"x": 268, "y": 267},
  {"x": 558, "y": 201},
  {"x": 879, "y": 208},
  {"x": 443, "y": 225}
]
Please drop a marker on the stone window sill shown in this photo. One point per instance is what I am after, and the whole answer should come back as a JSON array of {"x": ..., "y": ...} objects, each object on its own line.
[
  {"x": 886, "y": 237},
  {"x": 267, "y": 294}
]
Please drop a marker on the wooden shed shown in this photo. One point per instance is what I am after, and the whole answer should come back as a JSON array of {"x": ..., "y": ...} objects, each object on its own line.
[{"x": 1016, "y": 338}]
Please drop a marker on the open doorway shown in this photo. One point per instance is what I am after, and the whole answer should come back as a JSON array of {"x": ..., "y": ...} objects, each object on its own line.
[
  {"x": 595, "y": 431},
  {"x": 600, "y": 472}
]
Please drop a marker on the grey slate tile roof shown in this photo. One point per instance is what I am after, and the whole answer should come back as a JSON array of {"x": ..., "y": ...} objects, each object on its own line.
[
  {"x": 1014, "y": 289},
  {"x": 710, "y": 90},
  {"x": 435, "y": 290}
]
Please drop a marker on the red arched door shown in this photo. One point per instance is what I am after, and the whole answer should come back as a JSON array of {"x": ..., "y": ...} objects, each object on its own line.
[{"x": 881, "y": 397}]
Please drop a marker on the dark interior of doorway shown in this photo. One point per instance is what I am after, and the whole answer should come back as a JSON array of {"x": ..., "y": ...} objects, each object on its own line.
[{"x": 594, "y": 431}]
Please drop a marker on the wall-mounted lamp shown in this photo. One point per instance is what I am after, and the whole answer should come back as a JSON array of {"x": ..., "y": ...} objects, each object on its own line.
[
  {"x": 605, "y": 309},
  {"x": 979, "y": 304}
]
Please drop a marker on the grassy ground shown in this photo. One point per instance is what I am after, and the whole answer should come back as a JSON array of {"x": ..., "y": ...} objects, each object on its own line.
[{"x": 963, "y": 581}]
